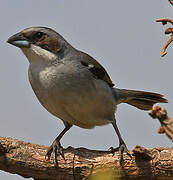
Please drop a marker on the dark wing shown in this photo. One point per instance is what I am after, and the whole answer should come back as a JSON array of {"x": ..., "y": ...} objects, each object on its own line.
[{"x": 97, "y": 69}]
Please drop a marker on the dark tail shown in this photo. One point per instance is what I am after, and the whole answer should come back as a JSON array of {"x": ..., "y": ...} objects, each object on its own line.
[{"x": 140, "y": 99}]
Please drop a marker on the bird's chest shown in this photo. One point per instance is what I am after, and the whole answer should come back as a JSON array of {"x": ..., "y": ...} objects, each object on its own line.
[
  {"x": 60, "y": 83},
  {"x": 42, "y": 79},
  {"x": 73, "y": 95}
]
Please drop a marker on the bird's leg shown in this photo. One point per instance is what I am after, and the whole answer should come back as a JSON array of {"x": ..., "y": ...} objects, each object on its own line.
[
  {"x": 122, "y": 146},
  {"x": 56, "y": 146}
]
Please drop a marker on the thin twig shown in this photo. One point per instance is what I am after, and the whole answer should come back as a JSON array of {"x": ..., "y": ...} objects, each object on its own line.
[
  {"x": 165, "y": 21},
  {"x": 168, "y": 31},
  {"x": 163, "y": 51},
  {"x": 171, "y": 1},
  {"x": 166, "y": 122}
]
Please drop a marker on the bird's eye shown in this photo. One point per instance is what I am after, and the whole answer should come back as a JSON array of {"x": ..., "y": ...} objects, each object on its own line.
[{"x": 38, "y": 35}]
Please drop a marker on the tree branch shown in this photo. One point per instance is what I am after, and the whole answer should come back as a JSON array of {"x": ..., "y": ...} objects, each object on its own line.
[{"x": 28, "y": 160}]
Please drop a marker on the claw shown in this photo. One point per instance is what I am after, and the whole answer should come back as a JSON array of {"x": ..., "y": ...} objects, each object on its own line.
[
  {"x": 61, "y": 152},
  {"x": 54, "y": 149},
  {"x": 48, "y": 153},
  {"x": 113, "y": 150},
  {"x": 122, "y": 148}
]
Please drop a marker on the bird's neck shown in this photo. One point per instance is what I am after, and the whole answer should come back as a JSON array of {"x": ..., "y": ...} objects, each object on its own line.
[{"x": 36, "y": 55}]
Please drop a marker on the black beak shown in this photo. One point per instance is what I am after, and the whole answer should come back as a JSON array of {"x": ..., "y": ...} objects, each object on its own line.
[{"x": 19, "y": 40}]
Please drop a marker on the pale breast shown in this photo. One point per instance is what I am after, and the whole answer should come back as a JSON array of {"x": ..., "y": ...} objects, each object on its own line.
[{"x": 75, "y": 97}]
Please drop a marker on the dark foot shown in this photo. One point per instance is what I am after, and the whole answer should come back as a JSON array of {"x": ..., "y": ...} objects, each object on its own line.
[
  {"x": 55, "y": 148},
  {"x": 122, "y": 148}
]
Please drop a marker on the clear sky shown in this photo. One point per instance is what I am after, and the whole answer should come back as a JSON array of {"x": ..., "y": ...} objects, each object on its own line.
[{"x": 122, "y": 35}]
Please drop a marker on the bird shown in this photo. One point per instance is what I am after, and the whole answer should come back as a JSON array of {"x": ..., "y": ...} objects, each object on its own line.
[{"x": 73, "y": 86}]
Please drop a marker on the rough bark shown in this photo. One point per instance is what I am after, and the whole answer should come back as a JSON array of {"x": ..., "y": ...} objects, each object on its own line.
[{"x": 28, "y": 160}]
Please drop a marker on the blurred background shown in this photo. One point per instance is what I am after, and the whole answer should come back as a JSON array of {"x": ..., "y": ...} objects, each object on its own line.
[{"x": 122, "y": 35}]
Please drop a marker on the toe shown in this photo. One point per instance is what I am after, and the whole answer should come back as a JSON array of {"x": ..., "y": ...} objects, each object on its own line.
[
  {"x": 121, "y": 151},
  {"x": 49, "y": 152},
  {"x": 122, "y": 148},
  {"x": 54, "y": 149},
  {"x": 61, "y": 152},
  {"x": 55, "y": 155},
  {"x": 113, "y": 150}
]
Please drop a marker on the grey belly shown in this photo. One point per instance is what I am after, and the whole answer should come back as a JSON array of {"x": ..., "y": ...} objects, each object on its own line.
[{"x": 85, "y": 104}]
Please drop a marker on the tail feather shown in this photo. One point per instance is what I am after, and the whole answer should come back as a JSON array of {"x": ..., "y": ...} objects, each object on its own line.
[
  {"x": 142, "y": 104},
  {"x": 140, "y": 99}
]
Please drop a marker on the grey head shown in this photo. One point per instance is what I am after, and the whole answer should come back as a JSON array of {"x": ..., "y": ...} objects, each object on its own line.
[{"x": 43, "y": 37}]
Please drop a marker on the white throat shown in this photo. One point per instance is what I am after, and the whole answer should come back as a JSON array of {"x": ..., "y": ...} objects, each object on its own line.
[{"x": 36, "y": 54}]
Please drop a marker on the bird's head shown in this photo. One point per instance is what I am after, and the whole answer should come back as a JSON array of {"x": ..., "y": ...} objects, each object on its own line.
[{"x": 40, "y": 43}]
